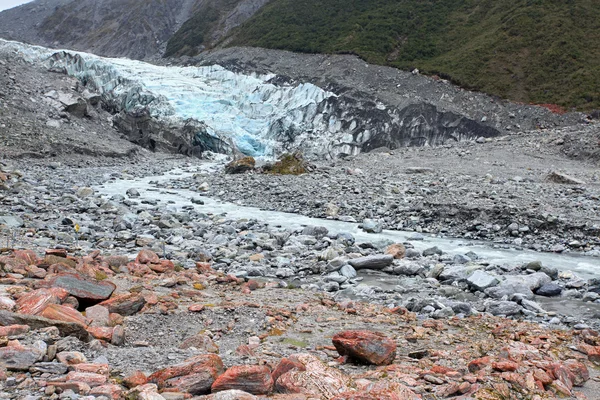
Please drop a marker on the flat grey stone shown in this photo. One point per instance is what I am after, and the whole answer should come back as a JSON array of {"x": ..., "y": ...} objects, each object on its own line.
[
  {"x": 481, "y": 280},
  {"x": 379, "y": 261}
]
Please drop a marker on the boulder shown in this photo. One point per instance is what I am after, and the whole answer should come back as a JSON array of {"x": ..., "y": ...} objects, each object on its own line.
[
  {"x": 197, "y": 364},
  {"x": 63, "y": 313},
  {"x": 371, "y": 226},
  {"x": 36, "y": 301},
  {"x": 506, "y": 308},
  {"x": 126, "y": 304},
  {"x": 559, "y": 177},
  {"x": 240, "y": 166},
  {"x": 314, "y": 379},
  {"x": 83, "y": 288},
  {"x": 365, "y": 347},
  {"x": 35, "y": 322},
  {"x": 254, "y": 379},
  {"x": 549, "y": 290},
  {"x": 147, "y": 257},
  {"x": 19, "y": 358},
  {"x": 378, "y": 261},
  {"x": 98, "y": 315},
  {"x": 481, "y": 280},
  {"x": 201, "y": 342}
]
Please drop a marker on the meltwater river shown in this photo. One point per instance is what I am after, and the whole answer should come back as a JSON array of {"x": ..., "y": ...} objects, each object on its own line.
[{"x": 584, "y": 266}]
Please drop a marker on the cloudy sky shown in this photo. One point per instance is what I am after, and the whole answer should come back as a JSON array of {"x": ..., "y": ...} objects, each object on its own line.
[{"x": 6, "y": 4}]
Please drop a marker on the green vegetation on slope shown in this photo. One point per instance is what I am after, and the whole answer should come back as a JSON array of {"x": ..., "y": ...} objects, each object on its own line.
[
  {"x": 196, "y": 31},
  {"x": 534, "y": 51}
]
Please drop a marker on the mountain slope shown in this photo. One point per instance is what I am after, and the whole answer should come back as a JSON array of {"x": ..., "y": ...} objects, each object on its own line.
[{"x": 541, "y": 51}]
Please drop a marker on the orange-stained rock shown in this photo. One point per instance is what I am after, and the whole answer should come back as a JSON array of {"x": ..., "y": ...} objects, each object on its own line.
[
  {"x": 505, "y": 365},
  {"x": 140, "y": 270},
  {"x": 204, "y": 267},
  {"x": 316, "y": 379},
  {"x": 147, "y": 257},
  {"x": 542, "y": 376},
  {"x": 13, "y": 330},
  {"x": 136, "y": 378},
  {"x": 195, "y": 364},
  {"x": 196, "y": 308},
  {"x": 365, "y": 347},
  {"x": 35, "y": 272},
  {"x": 63, "y": 313},
  {"x": 36, "y": 301},
  {"x": 254, "y": 379},
  {"x": 102, "y": 369},
  {"x": 397, "y": 250},
  {"x": 71, "y": 357},
  {"x": 28, "y": 256},
  {"x": 162, "y": 267},
  {"x": 479, "y": 364},
  {"x": 125, "y": 304},
  {"x": 101, "y": 332},
  {"x": 90, "y": 378},
  {"x": 113, "y": 392},
  {"x": 579, "y": 371},
  {"x": 286, "y": 365}
]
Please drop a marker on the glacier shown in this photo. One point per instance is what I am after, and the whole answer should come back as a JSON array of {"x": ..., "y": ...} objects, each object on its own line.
[{"x": 255, "y": 114}]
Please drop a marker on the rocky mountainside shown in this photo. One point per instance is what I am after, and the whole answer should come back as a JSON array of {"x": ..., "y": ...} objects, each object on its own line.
[
  {"x": 542, "y": 52},
  {"x": 135, "y": 29}
]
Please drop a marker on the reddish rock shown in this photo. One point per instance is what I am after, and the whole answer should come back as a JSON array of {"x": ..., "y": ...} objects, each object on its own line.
[
  {"x": 87, "y": 377},
  {"x": 102, "y": 369},
  {"x": 204, "y": 267},
  {"x": 63, "y": 313},
  {"x": 28, "y": 256},
  {"x": 196, "y": 384},
  {"x": 479, "y": 364},
  {"x": 162, "y": 267},
  {"x": 316, "y": 378},
  {"x": 136, "y": 378},
  {"x": 541, "y": 376},
  {"x": 397, "y": 250},
  {"x": 57, "y": 252},
  {"x": 115, "y": 319},
  {"x": 36, "y": 301},
  {"x": 505, "y": 365},
  {"x": 71, "y": 357},
  {"x": 113, "y": 392},
  {"x": 365, "y": 347},
  {"x": 196, "y": 308},
  {"x": 139, "y": 270},
  {"x": 579, "y": 371},
  {"x": 147, "y": 257},
  {"x": 83, "y": 288},
  {"x": 286, "y": 365},
  {"x": 245, "y": 351},
  {"x": 13, "y": 330},
  {"x": 101, "y": 332},
  {"x": 35, "y": 272},
  {"x": 199, "y": 363},
  {"x": 254, "y": 379},
  {"x": 125, "y": 304},
  {"x": 7, "y": 303}
]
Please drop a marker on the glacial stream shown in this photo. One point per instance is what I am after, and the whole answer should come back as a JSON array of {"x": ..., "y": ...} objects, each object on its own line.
[{"x": 584, "y": 266}]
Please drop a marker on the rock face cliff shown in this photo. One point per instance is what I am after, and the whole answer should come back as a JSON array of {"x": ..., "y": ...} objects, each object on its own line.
[{"x": 137, "y": 29}]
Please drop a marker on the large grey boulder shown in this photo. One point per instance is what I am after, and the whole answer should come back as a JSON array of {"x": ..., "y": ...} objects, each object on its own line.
[
  {"x": 481, "y": 280},
  {"x": 506, "y": 308},
  {"x": 378, "y": 261}
]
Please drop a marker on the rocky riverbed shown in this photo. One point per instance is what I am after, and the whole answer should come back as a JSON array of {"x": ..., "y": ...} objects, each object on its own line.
[{"x": 254, "y": 293}]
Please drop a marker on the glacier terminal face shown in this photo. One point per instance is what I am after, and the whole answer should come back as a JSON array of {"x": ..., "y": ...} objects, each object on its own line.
[{"x": 256, "y": 114}]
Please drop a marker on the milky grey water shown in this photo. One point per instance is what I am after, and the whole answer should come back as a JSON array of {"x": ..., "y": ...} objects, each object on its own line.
[{"x": 584, "y": 266}]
